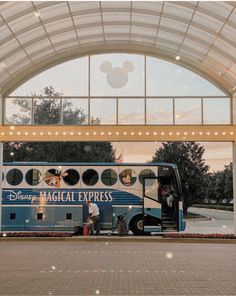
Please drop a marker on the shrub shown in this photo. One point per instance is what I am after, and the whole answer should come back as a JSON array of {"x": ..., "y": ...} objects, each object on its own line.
[{"x": 35, "y": 234}]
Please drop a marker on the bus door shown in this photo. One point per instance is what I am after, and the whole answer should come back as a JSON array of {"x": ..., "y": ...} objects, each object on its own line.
[{"x": 151, "y": 205}]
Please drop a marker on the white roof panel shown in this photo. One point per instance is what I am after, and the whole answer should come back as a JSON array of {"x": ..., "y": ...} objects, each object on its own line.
[
  {"x": 84, "y": 19},
  {"x": 31, "y": 35},
  {"x": 60, "y": 24},
  {"x": 203, "y": 33}
]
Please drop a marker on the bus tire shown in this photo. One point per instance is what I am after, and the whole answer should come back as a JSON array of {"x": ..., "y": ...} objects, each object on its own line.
[{"x": 136, "y": 225}]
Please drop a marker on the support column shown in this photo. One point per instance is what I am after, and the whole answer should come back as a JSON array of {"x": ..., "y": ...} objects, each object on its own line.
[
  {"x": 234, "y": 159},
  {"x": 234, "y": 183},
  {"x": 1, "y": 159}
]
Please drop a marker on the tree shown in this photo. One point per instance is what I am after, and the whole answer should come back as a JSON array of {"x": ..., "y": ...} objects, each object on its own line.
[
  {"x": 47, "y": 111},
  {"x": 192, "y": 169},
  {"x": 228, "y": 190},
  {"x": 220, "y": 185}
]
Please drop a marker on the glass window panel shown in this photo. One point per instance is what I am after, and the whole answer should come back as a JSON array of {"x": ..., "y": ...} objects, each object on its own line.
[
  {"x": 187, "y": 111},
  {"x": 109, "y": 177},
  {"x": 117, "y": 75},
  {"x": 53, "y": 177},
  {"x": 216, "y": 111},
  {"x": 69, "y": 78},
  {"x": 32, "y": 177},
  {"x": 75, "y": 111},
  {"x": 103, "y": 111},
  {"x": 18, "y": 111},
  {"x": 167, "y": 79},
  {"x": 90, "y": 177},
  {"x": 14, "y": 177},
  {"x": 46, "y": 111},
  {"x": 146, "y": 173},
  {"x": 128, "y": 177},
  {"x": 131, "y": 111},
  {"x": 71, "y": 177},
  {"x": 160, "y": 111}
]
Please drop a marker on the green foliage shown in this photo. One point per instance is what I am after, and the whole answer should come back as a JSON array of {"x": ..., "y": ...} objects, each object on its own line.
[
  {"x": 192, "y": 169},
  {"x": 220, "y": 186},
  {"x": 59, "y": 152},
  {"x": 47, "y": 111}
]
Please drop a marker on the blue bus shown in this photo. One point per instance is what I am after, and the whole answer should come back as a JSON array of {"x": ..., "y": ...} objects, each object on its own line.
[{"x": 52, "y": 196}]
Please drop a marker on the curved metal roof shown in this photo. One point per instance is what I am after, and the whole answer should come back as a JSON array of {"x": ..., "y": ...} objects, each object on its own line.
[{"x": 36, "y": 35}]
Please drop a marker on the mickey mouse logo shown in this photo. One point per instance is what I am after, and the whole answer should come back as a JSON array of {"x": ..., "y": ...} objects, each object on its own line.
[{"x": 117, "y": 77}]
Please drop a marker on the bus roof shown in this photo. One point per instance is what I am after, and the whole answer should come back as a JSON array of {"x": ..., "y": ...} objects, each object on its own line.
[{"x": 19, "y": 163}]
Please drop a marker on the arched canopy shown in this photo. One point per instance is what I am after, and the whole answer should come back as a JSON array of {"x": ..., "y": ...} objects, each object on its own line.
[{"x": 37, "y": 35}]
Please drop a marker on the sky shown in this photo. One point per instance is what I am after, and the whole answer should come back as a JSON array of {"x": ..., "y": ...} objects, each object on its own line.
[
  {"x": 123, "y": 75},
  {"x": 217, "y": 154}
]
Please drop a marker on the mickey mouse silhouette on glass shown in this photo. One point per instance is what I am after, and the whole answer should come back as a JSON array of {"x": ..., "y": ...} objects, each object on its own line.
[{"x": 117, "y": 77}]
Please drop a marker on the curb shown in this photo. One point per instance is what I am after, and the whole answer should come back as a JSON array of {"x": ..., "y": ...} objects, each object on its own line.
[{"x": 119, "y": 239}]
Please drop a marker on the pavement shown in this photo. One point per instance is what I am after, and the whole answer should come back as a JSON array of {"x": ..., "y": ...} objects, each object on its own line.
[
  {"x": 116, "y": 268},
  {"x": 218, "y": 222}
]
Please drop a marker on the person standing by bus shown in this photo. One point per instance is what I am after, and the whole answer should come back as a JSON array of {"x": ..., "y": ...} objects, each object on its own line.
[{"x": 94, "y": 215}]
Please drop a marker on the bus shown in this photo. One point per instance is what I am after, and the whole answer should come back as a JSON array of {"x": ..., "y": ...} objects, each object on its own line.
[{"x": 52, "y": 196}]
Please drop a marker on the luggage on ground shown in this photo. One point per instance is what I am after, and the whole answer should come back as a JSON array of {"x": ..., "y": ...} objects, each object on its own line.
[{"x": 78, "y": 230}]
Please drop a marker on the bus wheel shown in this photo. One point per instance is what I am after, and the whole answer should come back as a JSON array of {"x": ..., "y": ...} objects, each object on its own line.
[{"x": 136, "y": 225}]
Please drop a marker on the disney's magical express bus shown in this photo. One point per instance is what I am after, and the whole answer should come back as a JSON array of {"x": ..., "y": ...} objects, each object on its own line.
[{"x": 52, "y": 196}]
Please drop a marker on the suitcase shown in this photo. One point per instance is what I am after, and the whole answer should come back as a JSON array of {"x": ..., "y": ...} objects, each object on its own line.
[
  {"x": 78, "y": 230},
  {"x": 85, "y": 231}
]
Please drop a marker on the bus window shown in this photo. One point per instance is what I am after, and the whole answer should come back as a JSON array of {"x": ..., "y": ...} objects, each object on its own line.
[
  {"x": 109, "y": 177},
  {"x": 90, "y": 177},
  {"x": 32, "y": 177},
  {"x": 71, "y": 177},
  {"x": 53, "y": 177},
  {"x": 128, "y": 177},
  {"x": 147, "y": 173},
  {"x": 14, "y": 177}
]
